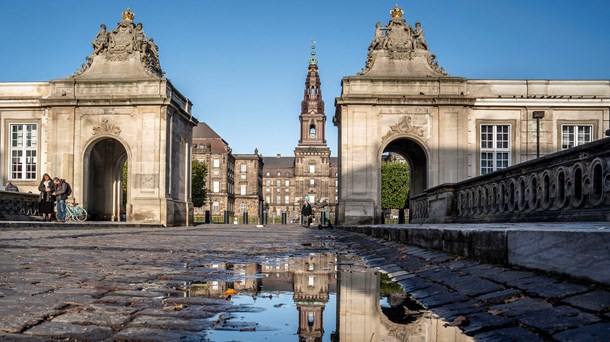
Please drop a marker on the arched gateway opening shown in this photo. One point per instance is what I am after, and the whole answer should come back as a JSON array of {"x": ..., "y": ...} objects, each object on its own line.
[
  {"x": 104, "y": 163},
  {"x": 416, "y": 157}
]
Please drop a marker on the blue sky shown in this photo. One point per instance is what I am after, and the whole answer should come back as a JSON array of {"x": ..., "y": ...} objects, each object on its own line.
[{"x": 243, "y": 63}]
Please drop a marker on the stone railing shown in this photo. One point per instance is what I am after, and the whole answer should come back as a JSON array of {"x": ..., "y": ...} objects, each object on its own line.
[
  {"x": 18, "y": 206},
  {"x": 568, "y": 185}
]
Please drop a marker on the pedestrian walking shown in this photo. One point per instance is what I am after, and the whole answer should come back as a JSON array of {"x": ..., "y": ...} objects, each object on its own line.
[
  {"x": 46, "y": 200},
  {"x": 306, "y": 211}
]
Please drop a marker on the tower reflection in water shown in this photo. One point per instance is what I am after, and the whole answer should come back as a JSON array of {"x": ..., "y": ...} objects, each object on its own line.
[{"x": 316, "y": 281}]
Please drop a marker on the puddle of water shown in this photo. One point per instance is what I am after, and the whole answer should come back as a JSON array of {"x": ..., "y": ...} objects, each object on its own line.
[{"x": 314, "y": 298}]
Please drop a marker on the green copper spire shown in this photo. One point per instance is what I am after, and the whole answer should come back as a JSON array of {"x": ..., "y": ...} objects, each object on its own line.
[{"x": 313, "y": 59}]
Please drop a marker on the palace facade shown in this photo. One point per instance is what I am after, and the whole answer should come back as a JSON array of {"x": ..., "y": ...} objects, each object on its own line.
[{"x": 240, "y": 183}]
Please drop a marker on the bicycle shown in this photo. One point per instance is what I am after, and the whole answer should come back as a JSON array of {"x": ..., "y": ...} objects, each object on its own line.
[{"x": 75, "y": 212}]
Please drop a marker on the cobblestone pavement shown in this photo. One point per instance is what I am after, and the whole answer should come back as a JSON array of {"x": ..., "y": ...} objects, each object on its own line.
[
  {"x": 113, "y": 284},
  {"x": 490, "y": 302}
]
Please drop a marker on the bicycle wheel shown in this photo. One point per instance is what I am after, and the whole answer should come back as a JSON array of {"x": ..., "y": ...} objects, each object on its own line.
[{"x": 80, "y": 214}]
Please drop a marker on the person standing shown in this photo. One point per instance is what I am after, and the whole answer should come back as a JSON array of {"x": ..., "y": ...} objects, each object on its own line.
[
  {"x": 46, "y": 200},
  {"x": 306, "y": 212},
  {"x": 61, "y": 195}
]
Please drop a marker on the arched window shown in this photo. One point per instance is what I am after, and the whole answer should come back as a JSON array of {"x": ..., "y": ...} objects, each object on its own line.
[{"x": 312, "y": 131}]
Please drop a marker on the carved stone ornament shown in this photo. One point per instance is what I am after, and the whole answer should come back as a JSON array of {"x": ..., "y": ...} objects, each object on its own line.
[
  {"x": 401, "y": 42},
  {"x": 404, "y": 126},
  {"x": 125, "y": 41},
  {"x": 106, "y": 127}
]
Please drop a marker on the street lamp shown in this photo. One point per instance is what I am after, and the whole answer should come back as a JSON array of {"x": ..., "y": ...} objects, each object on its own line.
[{"x": 538, "y": 114}]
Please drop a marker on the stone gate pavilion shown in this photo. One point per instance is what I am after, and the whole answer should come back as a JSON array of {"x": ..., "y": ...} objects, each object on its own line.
[
  {"x": 117, "y": 109},
  {"x": 448, "y": 128}
]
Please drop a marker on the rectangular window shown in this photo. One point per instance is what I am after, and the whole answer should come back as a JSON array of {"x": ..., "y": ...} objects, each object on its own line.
[
  {"x": 243, "y": 168},
  {"x": 287, "y": 183},
  {"x": 574, "y": 135},
  {"x": 23, "y": 149},
  {"x": 278, "y": 199},
  {"x": 495, "y": 148},
  {"x": 243, "y": 177},
  {"x": 216, "y": 162},
  {"x": 242, "y": 189},
  {"x": 312, "y": 169},
  {"x": 215, "y": 206},
  {"x": 268, "y": 182},
  {"x": 216, "y": 186},
  {"x": 287, "y": 199},
  {"x": 312, "y": 182},
  {"x": 278, "y": 183},
  {"x": 268, "y": 199}
]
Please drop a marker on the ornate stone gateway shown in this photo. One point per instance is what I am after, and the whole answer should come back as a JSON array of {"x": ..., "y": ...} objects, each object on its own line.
[
  {"x": 116, "y": 109},
  {"x": 447, "y": 128}
]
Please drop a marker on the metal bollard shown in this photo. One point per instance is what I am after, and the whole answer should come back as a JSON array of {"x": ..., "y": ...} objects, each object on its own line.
[
  {"x": 226, "y": 220},
  {"x": 284, "y": 218},
  {"x": 401, "y": 216},
  {"x": 265, "y": 217},
  {"x": 245, "y": 218},
  {"x": 207, "y": 217}
]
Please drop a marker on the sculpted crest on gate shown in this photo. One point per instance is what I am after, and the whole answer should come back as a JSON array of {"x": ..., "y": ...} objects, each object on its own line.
[
  {"x": 404, "y": 126},
  {"x": 399, "y": 41},
  {"x": 127, "y": 40},
  {"x": 106, "y": 127}
]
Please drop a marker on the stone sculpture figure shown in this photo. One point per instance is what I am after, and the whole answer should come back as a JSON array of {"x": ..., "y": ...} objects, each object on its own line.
[
  {"x": 419, "y": 41},
  {"x": 101, "y": 40},
  {"x": 140, "y": 38},
  {"x": 380, "y": 41}
]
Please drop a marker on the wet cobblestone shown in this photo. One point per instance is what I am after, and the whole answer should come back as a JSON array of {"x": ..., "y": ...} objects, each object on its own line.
[
  {"x": 122, "y": 284},
  {"x": 491, "y": 302}
]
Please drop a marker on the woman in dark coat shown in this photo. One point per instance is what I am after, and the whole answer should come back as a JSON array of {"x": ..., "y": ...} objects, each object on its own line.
[{"x": 47, "y": 202}]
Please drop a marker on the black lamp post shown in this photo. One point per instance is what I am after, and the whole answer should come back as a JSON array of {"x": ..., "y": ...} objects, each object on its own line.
[{"x": 538, "y": 114}]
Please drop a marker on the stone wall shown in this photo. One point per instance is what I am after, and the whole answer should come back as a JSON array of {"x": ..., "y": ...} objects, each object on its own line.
[
  {"x": 570, "y": 185},
  {"x": 18, "y": 206}
]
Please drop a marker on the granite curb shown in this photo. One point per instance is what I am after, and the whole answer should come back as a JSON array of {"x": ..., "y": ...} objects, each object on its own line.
[{"x": 578, "y": 250}]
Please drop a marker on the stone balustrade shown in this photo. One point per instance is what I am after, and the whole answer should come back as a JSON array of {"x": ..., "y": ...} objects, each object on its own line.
[
  {"x": 18, "y": 206},
  {"x": 570, "y": 185}
]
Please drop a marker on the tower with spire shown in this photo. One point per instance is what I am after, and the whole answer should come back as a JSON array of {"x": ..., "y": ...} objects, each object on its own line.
[
  {"x": 312, "y": 116},
  {"x": 312, "y": 155}
]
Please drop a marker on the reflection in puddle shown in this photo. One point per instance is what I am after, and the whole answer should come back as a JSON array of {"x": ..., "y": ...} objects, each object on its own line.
[{"x": 310, "y": 298}]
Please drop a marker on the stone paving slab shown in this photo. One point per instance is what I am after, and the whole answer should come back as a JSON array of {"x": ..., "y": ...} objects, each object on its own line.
[
  {"x": 499, "y": 296},
  {"x": 594, "y": 301},
  {"x": 75, "y": 331},
  {"x": 481, "y": 322},
  {"x": 508, "y": 335},
  {"x": 589, "y": 333},
  {"x": 157, "y": 335},
  {"x": 557, "y": 318},
  {"x": 95, "y": 318},
  {"x": 521, "y": 307}
]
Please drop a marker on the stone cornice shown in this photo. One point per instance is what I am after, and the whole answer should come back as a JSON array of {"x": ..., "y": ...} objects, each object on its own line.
[{"x": 405, "y": 100}]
